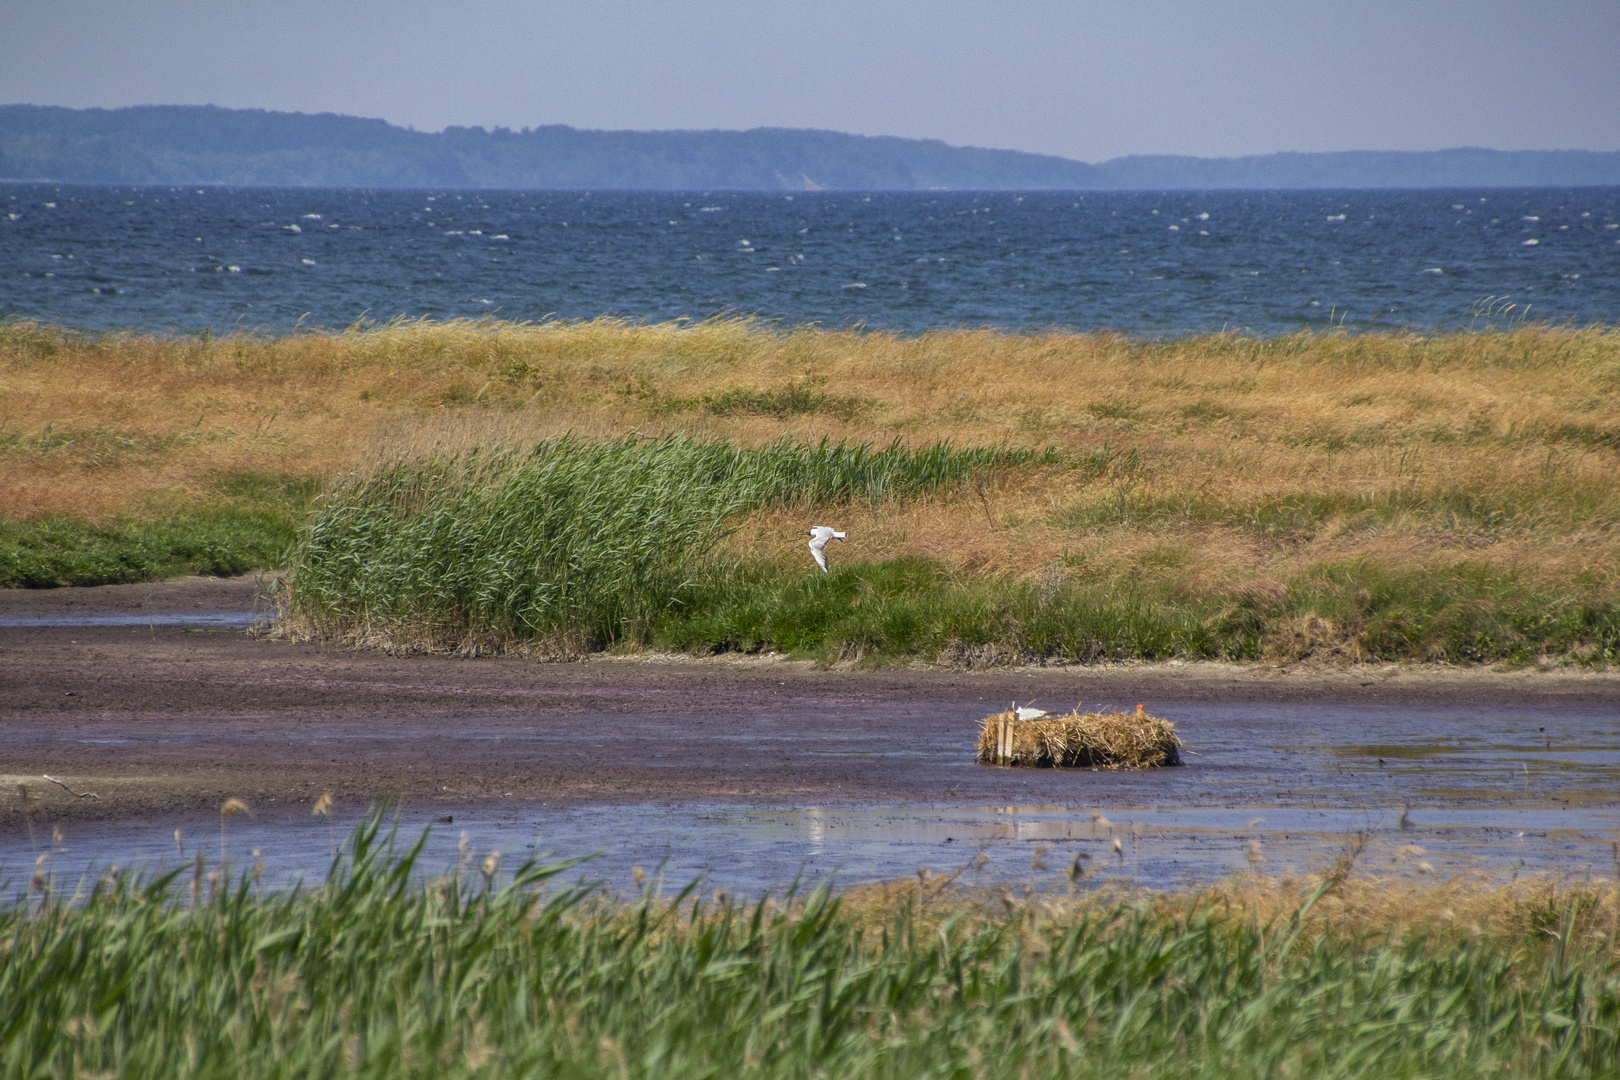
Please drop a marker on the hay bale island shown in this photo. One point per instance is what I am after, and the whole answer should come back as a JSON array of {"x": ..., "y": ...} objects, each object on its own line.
[{"x": 1078, "y": 740}]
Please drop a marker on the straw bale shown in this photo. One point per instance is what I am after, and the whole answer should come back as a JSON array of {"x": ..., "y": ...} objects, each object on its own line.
[{"x": 1094, "y": 740}]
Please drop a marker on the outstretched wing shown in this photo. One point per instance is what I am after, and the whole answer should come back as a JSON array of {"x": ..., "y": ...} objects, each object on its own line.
[{"x": 821, "y": 556}]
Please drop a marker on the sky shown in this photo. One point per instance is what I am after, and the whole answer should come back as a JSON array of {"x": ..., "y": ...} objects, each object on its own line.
[{"x": 1081, "y": 79}]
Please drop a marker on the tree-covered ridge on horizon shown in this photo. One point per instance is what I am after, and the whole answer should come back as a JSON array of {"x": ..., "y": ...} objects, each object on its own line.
[{"x": 205, "y": 144}]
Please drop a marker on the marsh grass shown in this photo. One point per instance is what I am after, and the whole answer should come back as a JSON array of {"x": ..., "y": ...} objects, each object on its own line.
[
  {"x": 380, "y": 970},
  {"x": 91, "y": 424},
  {"x": 1380, "y": 495},
  {"x": 1357, "y": 612},
  {"x": 580, "y": 544},
  {"x": 251, "y": 522},
  {"x": 796, "y": 398},
  {"x": 221, "y": 542}
]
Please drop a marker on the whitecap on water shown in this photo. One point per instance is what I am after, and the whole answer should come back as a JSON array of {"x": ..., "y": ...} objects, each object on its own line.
[
  {"x": 1532, "y": 242},
  {"x": 856, "y": 285},
  {"x": 957, "y": 291}
]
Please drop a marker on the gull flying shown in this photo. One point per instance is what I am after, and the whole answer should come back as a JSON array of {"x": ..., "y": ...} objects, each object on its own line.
[{"x": 818, "y": 543}]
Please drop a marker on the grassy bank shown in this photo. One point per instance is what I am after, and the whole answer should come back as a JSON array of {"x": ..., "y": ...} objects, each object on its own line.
[
  {"x": 248, "y": 522},
  {"x": 480, "y": 974},
  {"x": 584, "y": 545},
  {"x": 576, "y": 546},
  {"x": 1378, "y": 495},
  {"x": 1360, "y": 612}
]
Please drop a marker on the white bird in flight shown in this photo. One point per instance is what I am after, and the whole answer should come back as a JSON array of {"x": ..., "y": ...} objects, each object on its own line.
[{"x": 818, "y": 543}]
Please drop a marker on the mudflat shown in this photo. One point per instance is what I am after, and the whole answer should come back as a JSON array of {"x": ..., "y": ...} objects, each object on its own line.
[{"x": 157, "y": 719}]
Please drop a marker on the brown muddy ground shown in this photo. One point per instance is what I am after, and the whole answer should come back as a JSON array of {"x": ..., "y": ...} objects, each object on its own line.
[{"x": 158, "y": 720}]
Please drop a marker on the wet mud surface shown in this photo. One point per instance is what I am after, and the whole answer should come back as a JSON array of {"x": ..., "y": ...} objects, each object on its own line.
[{"x": 699, "y": 760}]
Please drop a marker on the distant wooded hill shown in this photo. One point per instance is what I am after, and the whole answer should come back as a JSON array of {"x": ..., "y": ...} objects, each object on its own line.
[{"x": 187, "y": 144}]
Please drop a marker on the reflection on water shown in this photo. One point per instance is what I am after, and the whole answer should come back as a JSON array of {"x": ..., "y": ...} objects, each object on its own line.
[
  {"x": 217, "y": 620},
  {"x": 750, "y": 849}
]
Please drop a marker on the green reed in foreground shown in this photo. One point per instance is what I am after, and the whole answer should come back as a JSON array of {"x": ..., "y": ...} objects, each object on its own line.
[
  {"x": 586, "y": 542},
  {"x": 375, "y": 973}
]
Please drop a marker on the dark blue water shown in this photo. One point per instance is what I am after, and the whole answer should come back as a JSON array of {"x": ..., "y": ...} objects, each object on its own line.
[{"x": 187, "y": 259}]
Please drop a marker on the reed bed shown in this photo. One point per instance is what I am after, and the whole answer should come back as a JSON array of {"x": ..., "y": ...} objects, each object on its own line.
[
  {"x": 382, "y": 970},
  {"x": 1079, "y": 740},
  {"x": 579, "y": 545}
]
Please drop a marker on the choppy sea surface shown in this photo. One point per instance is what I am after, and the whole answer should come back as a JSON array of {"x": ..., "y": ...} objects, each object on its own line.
[{"x": 269, "y": 260}]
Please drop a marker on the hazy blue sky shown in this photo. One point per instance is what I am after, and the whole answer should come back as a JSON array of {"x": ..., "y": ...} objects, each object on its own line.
[{"x": 1088, "y": 80}]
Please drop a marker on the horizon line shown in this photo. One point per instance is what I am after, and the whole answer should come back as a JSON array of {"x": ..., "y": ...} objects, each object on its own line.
[{"x": 811, "y": 130}]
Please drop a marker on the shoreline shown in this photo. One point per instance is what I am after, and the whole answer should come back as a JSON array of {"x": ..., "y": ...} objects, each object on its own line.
[{"x": 252, "y": 594}]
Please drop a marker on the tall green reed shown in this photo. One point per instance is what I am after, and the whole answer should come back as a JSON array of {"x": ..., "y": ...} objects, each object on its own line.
[
  {"x": 383, "y": 970},
  {"x": 586, "y": 543}
]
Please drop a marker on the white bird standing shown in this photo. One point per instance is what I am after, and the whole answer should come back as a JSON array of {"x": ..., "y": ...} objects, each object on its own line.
[{"x": 818, "y": 543}]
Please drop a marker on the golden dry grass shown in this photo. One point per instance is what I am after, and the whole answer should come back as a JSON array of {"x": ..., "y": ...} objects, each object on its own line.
[
  {"x": 1460, "y": 908},
  {"x": 1214, "y": 462}
]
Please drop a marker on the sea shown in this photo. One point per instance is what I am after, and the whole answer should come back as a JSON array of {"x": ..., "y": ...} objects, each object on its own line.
[{"x": 1146, "y": 264}]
